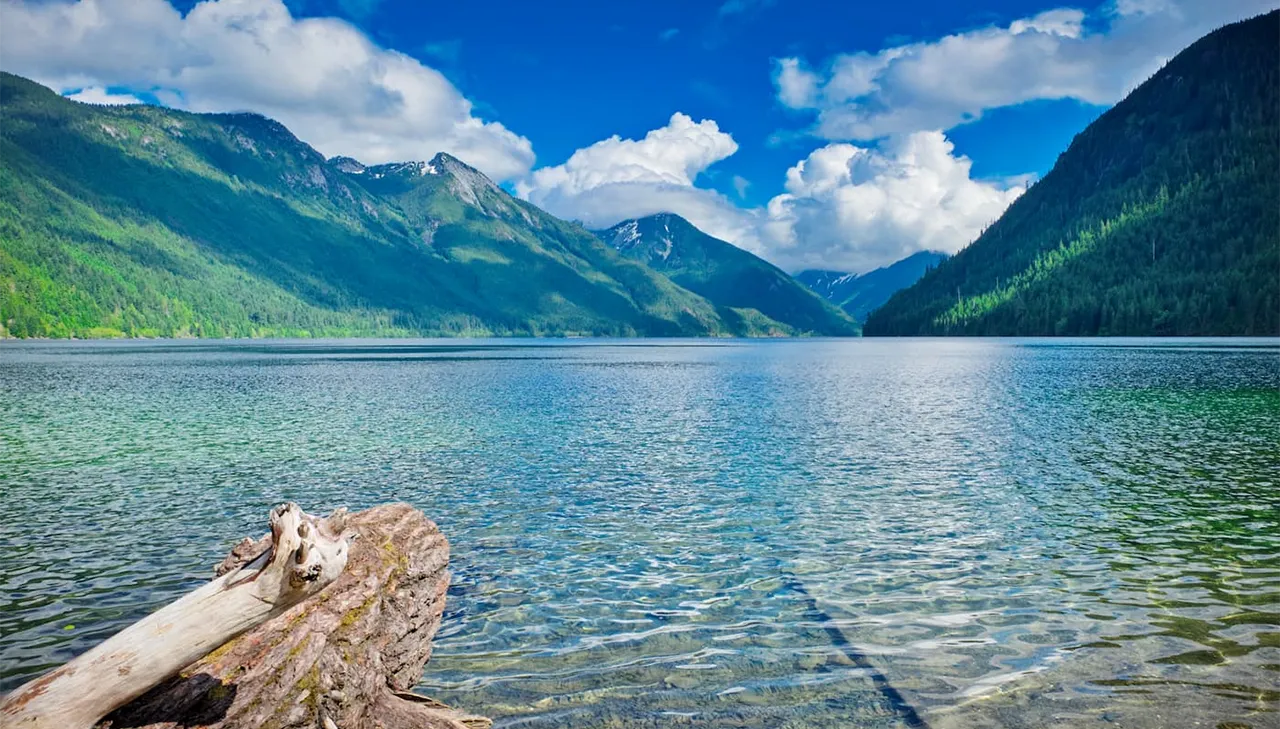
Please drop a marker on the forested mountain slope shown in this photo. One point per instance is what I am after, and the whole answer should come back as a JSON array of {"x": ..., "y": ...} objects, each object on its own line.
[
  {"x": 743, "y": 285},
  {"x": 1161, "y": 218},
  {"x": 145, "y": 221}
]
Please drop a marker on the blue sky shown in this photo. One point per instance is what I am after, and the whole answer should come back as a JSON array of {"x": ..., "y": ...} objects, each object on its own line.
[
  {"x": 566, "y": 74},
  {"x": 817, "y": 134}
]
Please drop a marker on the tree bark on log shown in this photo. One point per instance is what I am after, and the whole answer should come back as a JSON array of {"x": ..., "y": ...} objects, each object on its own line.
[
  {"x": 302, "y": 556},
  {"x": 344, "y": 659}
]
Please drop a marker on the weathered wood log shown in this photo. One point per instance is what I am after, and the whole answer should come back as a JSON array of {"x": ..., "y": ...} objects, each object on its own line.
[
  {"x": 346, "y": 658},
  {"x": 303, "y": 555}
]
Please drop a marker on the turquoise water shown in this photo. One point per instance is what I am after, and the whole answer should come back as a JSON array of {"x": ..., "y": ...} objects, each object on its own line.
[{"x": 700, "y": 533}]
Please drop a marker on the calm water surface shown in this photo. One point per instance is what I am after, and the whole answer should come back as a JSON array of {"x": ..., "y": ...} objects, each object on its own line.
[{"x": 710, "y": 534}]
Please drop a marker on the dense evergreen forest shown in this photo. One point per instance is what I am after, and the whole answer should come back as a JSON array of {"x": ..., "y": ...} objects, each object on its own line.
[{"x": 1161, "y": 218}]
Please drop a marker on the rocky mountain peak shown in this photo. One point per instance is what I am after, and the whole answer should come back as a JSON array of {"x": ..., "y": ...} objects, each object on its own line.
[
  {"x": 348, "y": 165},
  {"x": 468, "y": 183}
]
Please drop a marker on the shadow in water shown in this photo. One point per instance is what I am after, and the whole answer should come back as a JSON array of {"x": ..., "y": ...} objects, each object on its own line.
[{"x": 900, "y": 705}]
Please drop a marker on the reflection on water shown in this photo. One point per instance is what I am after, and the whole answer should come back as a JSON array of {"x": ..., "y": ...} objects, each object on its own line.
[{"x": 711, "y": 534}]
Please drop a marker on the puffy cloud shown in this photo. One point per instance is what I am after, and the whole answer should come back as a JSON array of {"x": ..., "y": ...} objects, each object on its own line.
[
  {"x": 797, "y": 86},
  {"x": 674, "y": 154},
  {"x": 615, "y": 179},
  {"x": 1142, "y": 7},
  {"x": 854, "y": 208},
  {"x": 1053, "y": 55},
  {"x": 1064, "y": 22},
  {"x": 857, "y": 207},
  {"x": 99, "y": 95},
  {"x": 321, "y": 77},
  {"x": 845, "y": 206}
]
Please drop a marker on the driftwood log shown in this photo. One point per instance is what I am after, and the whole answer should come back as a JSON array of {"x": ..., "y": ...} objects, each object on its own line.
[
  {"x": 345, "y": 659},
  {"x": 300, "y": 557}
]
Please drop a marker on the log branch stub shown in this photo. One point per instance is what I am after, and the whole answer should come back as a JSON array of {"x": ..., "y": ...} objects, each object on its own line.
[
  {"x": 346, "y": 659},
  {"x": 126, "y": 665}
]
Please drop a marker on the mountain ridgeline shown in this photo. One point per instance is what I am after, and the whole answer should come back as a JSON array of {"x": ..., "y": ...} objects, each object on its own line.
[
  {"x": 1161, "y": 218},
  {"x": 145, "y": 221},
  {"x": 749, "y": 291},
  {"x": 859, "y": 295}
]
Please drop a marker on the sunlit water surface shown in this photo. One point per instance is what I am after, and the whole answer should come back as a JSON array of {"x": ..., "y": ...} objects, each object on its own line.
[{"x": 711, "y": 534}]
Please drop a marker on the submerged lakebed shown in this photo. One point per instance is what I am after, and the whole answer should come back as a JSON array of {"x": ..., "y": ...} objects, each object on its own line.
[{"x": 816, "y": 533}]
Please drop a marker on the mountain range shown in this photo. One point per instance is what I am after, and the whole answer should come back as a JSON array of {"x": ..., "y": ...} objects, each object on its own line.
[
  {"x": 859, "y": 295},
  {"x": 1161, "y": 218},
  {"x": 733, "y": 279},
  {"x": 146, "y": 221}
]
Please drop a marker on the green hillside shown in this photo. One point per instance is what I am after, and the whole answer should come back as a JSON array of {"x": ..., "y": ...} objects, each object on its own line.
[
  {"x": 746, "y": 288},
  {"x": 144, "y": 221},
  {"x": 1161, "y": 218},
  {"x": 859, "y": 295}
]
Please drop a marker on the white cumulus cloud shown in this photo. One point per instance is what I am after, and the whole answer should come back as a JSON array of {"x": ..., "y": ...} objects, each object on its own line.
[
  {"x": 321, "y": 77},
  {"x": 99, "y": 95},
  {"x": 845, "y": 207},
  {"x": 1057, "y": 54},
  {"x": 615, "y": 179},
  {"x": 797, "y": 85},
  {"x": 673, "y": 155},
  {"x": 855, "y": 208}
]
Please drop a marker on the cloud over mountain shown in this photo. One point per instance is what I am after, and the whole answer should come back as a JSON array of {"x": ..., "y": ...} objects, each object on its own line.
[
  {"x": 845, "y": 206},
  {"x": 1057, "y": 54},
  {"x": 879, "y": 180},
  {"x": 857, "y": 208},
  {"x": 615, "y": 179},
  {"x": 321, "y": 77}
]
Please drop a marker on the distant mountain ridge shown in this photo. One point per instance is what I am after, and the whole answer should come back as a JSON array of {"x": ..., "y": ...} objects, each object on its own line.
[
  {"x": 1161, "y": 218},
  {"x": 859, "y": 295},
  {"x": 740, "y": 284},
  {"x": 146, "y": 221}
]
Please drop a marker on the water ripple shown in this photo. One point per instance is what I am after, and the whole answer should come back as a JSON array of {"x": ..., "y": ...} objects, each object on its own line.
[{"x": 768, "y": 534}]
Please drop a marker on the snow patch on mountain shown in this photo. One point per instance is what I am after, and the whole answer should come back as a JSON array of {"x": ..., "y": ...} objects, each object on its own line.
[{"x": 627, "y": 235}]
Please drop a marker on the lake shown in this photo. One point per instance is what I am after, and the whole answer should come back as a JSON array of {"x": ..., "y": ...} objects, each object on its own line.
[{"x": 699, "y": 533}]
